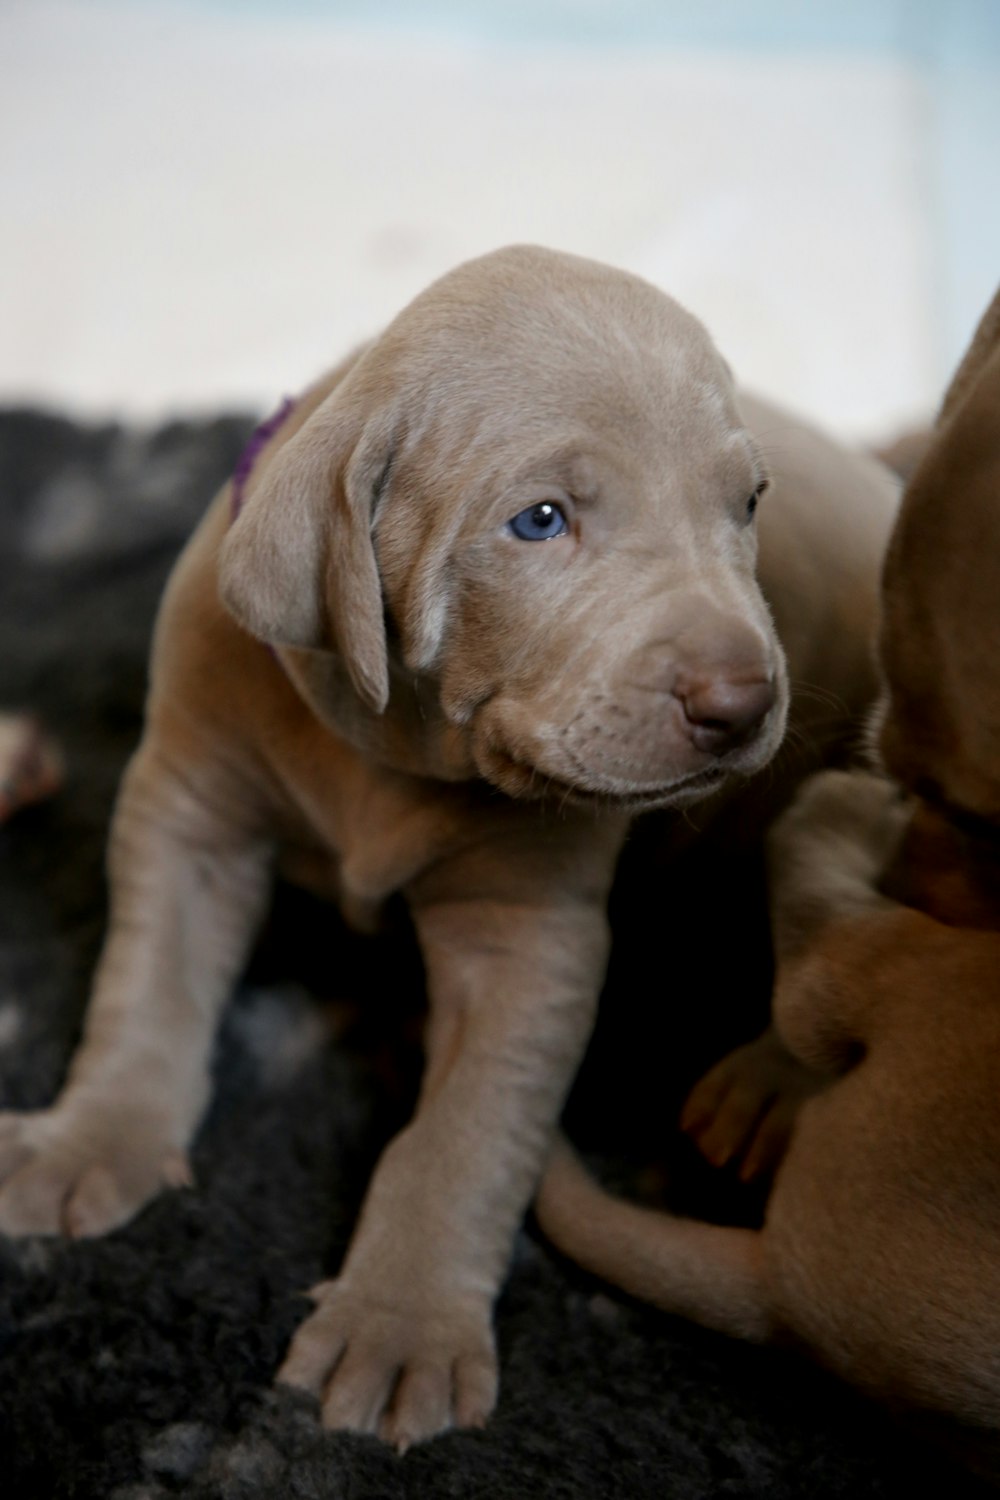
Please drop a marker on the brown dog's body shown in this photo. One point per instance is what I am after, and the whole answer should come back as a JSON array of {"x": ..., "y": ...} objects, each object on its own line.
[
  {"x": 881, "y": 1247},
  {"x": 465, "y": 712}
]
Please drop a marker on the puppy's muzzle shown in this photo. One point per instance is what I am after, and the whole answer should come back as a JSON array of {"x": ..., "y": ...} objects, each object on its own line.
[{"x": 722, "y": 713}]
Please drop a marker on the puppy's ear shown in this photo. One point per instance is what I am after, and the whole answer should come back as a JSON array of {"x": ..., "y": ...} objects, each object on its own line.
[
  {"x": 297, "y": 567},
  {"x": 985, "y": 340}
]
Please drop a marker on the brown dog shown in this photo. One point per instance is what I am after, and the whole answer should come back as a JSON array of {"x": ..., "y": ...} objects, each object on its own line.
[
  {"x": 881, "y": 1247},
  {"x": 504, "y": 558}
]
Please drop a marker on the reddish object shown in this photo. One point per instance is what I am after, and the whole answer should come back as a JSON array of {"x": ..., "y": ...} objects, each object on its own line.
[{"x": 31, "y": 764}]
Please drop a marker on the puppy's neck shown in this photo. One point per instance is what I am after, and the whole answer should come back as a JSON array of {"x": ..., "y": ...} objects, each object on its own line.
[
  {"x": 948, "y": 865},
  {"x": 411, "y": 736}
]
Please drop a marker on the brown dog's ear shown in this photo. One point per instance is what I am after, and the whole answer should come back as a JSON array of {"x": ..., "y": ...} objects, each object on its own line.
[
  {"x": 297, "y": 567},
  {"x": 984, "y": 341},
  {"x": 940, "y": 633}
]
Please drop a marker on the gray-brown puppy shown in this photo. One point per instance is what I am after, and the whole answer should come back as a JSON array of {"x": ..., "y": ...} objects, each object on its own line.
[{"x": 505, "y": 560}]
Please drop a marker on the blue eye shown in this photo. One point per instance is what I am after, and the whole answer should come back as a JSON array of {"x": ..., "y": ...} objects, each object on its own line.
[{"x": 539, "y": 523}]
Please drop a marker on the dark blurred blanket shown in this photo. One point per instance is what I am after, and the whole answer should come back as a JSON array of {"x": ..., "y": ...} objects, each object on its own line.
[{"x": 139, "y": 1366}]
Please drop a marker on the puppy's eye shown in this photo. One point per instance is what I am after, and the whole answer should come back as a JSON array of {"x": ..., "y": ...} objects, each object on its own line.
[
  {"x": 540, "y": 523},
  {"x": 754, "y": 498}
]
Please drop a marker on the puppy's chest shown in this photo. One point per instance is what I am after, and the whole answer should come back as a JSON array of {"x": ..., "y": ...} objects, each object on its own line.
[{"x": 357, "y": 837}]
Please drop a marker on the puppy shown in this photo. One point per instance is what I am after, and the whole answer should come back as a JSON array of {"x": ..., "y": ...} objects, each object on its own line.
[
  {"x": 880, "y": 1252},
  {"x": 502, "y": 562}
]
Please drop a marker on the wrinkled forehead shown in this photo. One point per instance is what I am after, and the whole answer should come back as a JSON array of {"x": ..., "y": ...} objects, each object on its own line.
[{"x": 522, "y": 357}]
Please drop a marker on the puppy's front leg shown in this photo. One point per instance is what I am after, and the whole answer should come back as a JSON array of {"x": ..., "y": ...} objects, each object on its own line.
[
  {"x": 401, "y": 1342},
  {"x": 186, "y": 893}
]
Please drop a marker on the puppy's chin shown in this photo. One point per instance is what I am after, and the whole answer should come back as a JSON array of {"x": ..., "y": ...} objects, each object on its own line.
[{"x": 528, "y": 782}]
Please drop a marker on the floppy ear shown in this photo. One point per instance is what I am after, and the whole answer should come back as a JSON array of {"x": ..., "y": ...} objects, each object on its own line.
[
  {"x": 984, "y": 341},
  {"x": 297, "y": 567}
]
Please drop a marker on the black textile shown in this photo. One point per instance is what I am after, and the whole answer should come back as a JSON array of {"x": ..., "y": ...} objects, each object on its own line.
[{"x": 140, "y": 1365}]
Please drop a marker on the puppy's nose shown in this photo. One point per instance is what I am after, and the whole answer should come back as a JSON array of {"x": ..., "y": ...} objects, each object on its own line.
[{"x": 721, "y": 713}]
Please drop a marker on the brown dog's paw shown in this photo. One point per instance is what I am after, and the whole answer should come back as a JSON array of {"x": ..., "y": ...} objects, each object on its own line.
[
  {"x": 65, "y": 1172},
  {"x": 397, "y": 1368},
  {"x": 743, "y": 1110}
]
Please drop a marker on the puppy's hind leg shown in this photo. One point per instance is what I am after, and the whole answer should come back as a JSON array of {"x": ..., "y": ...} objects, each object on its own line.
[
  {"x": 742, "y": 1111},
  {"x": 709, "y": 1273},
  {"x": 825, "y": 856},
  {"x": 827, "y": 853},
  {"x": 186, "y": 893}
]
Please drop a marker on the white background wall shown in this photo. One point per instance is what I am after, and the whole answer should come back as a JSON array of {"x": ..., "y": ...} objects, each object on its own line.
[{"x": 205, "y": 203}]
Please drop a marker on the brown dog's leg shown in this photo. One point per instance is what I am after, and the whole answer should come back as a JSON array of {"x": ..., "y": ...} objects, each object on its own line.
[
  {"x": 825, "y": 854},
  {"x": 185, "y": 900},
  {"x": 743, "y": 1110},
  {"x": 514, "y": 947},
  {"x": 829, "y": 851},
  {"x": 706, "y": 1272}
]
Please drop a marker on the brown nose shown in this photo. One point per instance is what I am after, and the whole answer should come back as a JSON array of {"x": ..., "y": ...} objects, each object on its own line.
[{"x": 721, "y": 713}]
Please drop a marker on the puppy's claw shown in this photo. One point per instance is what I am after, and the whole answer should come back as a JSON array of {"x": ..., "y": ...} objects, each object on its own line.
[
  {"x": 313, "y": 1355},
  {"x": 177, "y": 1171},
  {"x": 357, "y": 1395},
  {"x": 475, "y": 1390},
  {"x": 421, "y": 1405}
]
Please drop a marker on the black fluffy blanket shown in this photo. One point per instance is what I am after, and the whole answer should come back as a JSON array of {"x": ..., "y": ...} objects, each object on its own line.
[{"x": 140, "y": 1366}]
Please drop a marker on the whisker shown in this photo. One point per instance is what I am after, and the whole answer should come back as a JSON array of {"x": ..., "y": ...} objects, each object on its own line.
[{"x": 812, "y": 692}]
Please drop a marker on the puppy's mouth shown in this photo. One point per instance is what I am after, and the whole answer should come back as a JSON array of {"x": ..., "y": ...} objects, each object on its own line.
[{"x": 529, "y": 782}]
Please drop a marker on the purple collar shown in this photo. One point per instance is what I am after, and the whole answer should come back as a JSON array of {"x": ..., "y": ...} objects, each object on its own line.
[{"x": 259, "y": 438}]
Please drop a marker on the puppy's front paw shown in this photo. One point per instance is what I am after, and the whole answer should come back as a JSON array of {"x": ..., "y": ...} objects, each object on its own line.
[
  {"x": 82, "y": 1171},
  {"x": 403, "y": 1367},
  {"x": 744, "y": 1108}
]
